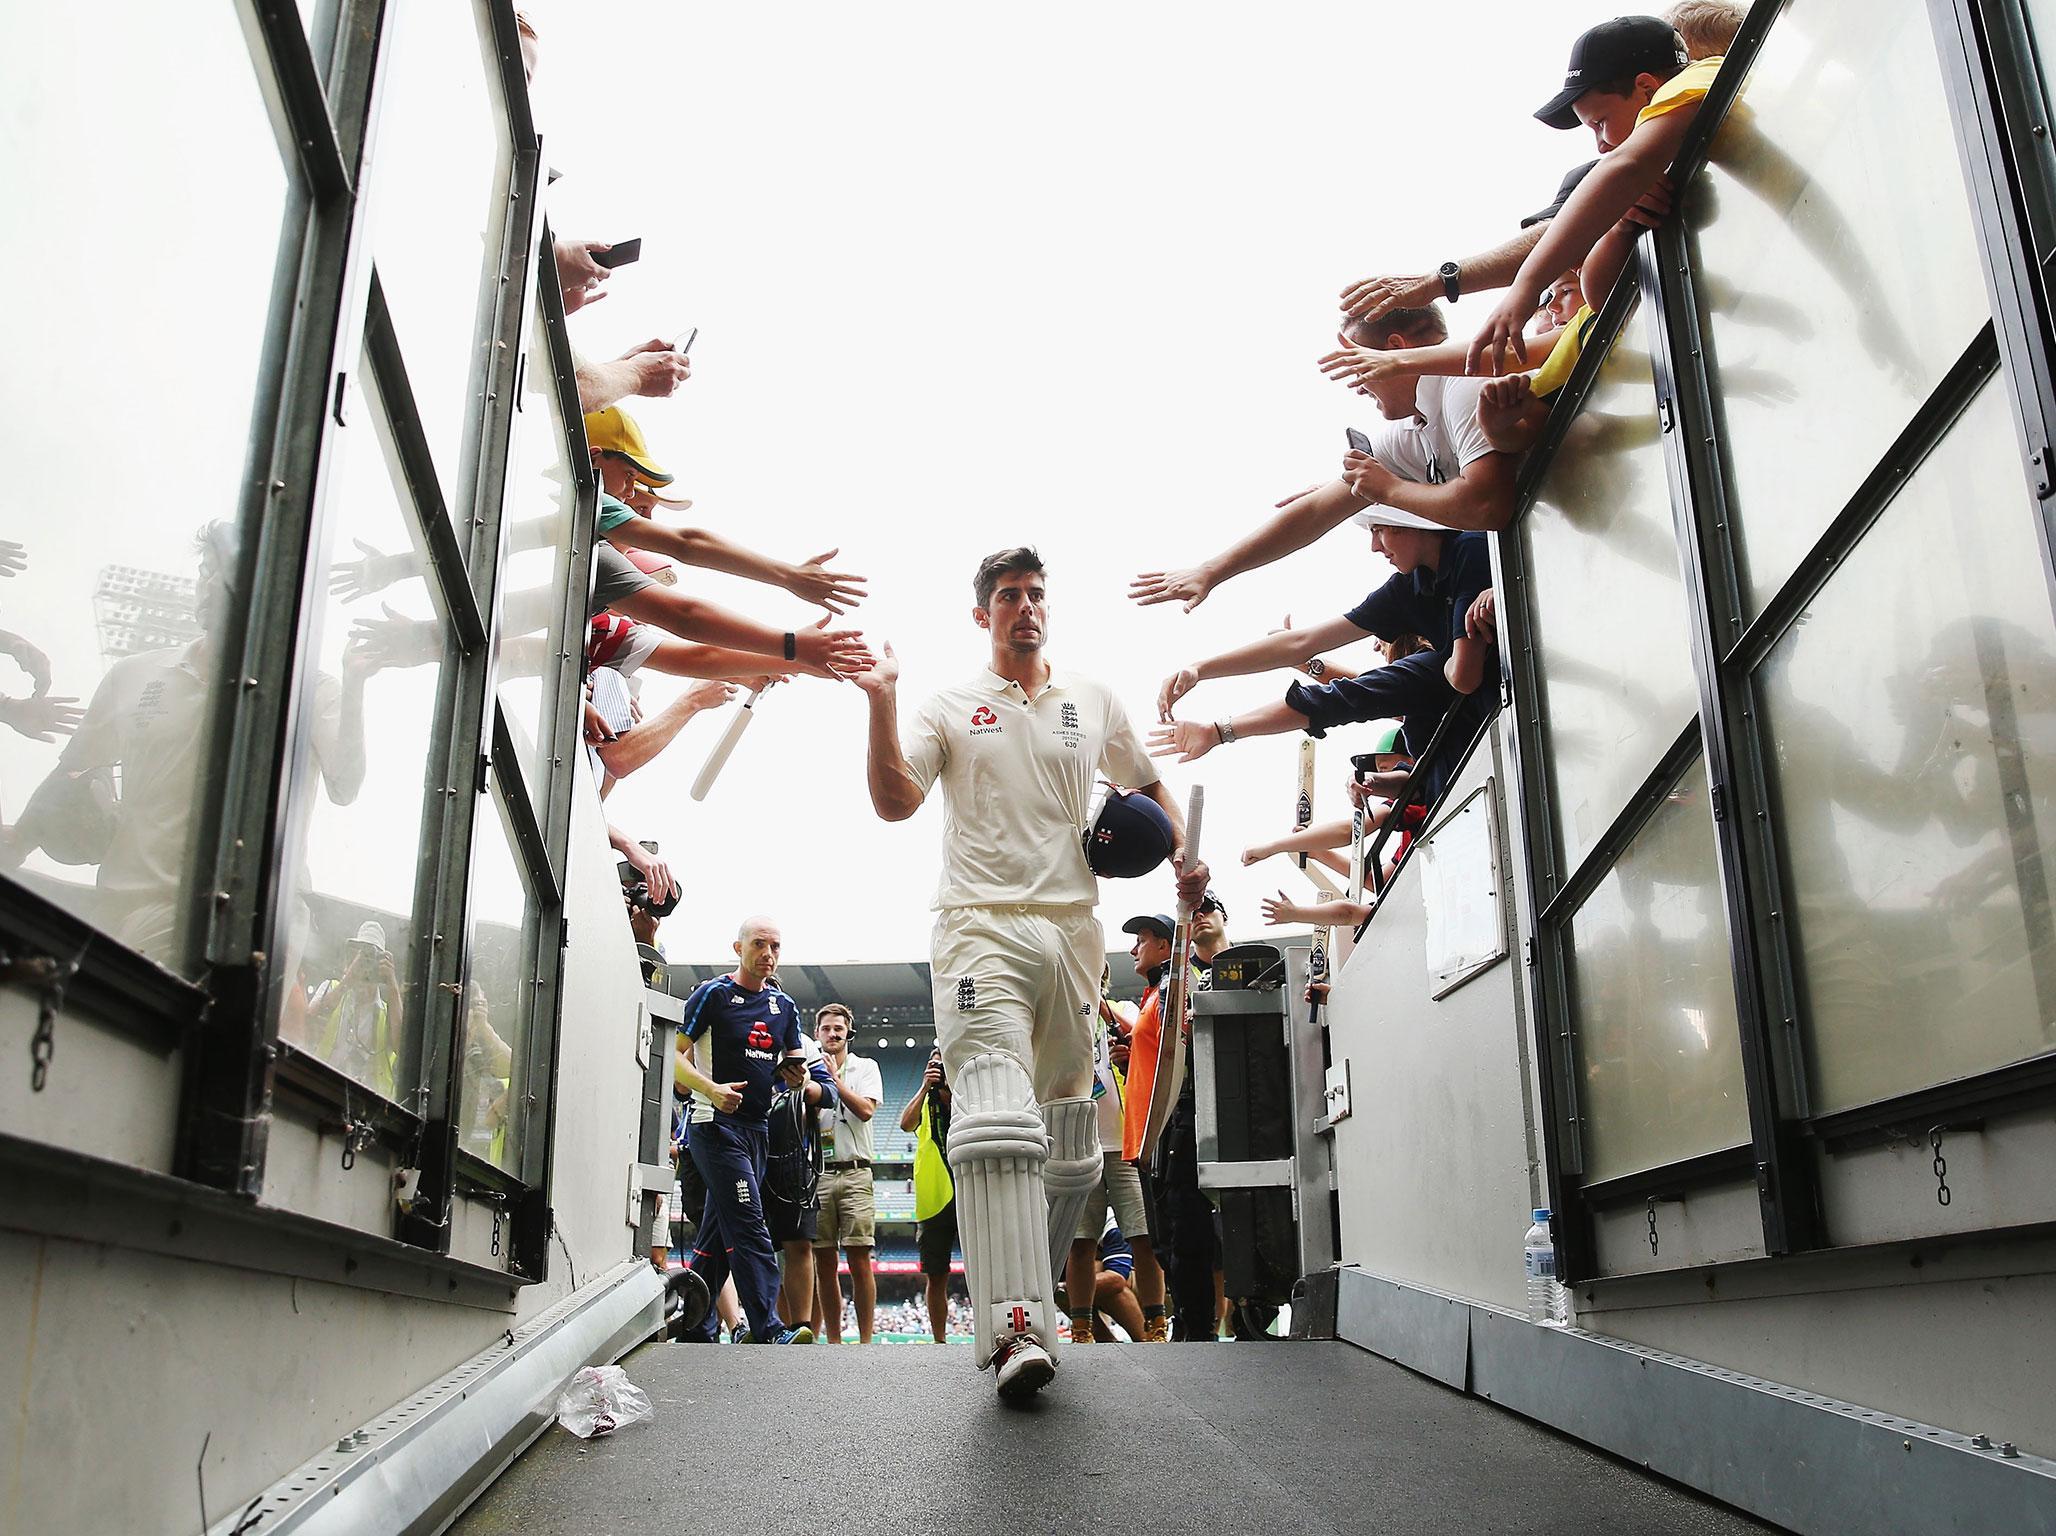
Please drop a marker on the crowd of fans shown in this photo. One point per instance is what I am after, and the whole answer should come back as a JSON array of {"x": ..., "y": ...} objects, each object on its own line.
[
  {"x": 1439, "y": 473},
  {"x": 1429, "y": 484}
]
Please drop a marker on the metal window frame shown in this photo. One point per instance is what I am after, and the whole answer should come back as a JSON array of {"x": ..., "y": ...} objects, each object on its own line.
[
  {"x": 467, "y": 717},
  {"x": 2000, "y": 110},
  {"x": 328, "y": 316}
]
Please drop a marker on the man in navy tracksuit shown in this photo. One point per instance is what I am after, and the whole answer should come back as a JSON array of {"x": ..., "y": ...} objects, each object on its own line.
[{"x": 751, "y": 1032}]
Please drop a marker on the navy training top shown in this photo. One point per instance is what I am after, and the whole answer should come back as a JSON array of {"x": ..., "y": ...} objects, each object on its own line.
[
  {"x": 1431, "y": 604},
  {"x": 751, "y": 1033}
]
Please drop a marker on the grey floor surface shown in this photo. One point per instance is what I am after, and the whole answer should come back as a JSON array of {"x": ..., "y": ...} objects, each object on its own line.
[{"x": 1129, "y": 1440}]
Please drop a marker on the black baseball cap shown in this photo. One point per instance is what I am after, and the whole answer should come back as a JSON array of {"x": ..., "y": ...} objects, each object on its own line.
[
  {"x": 1563, "y": 195},
  {"x": 1151, "y": 922},
  {"x": 1627, "y": 45}
]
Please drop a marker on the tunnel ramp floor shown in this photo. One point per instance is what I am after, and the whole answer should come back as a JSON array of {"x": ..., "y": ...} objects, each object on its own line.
[{"x": 1186, "y": 1438}]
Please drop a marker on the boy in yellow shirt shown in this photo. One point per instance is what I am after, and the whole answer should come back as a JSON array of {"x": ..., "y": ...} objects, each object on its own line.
[{"x": 1632, "y": 83}]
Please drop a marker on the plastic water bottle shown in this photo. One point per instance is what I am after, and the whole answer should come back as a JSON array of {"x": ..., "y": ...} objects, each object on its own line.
[{"x": 1547, "y": 1302}]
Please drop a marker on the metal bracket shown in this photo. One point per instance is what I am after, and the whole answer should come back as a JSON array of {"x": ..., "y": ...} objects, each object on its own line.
[{"x": 49, "y": 976}]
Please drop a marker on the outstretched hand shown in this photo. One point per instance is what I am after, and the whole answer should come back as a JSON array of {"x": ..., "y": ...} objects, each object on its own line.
[
  {"x": 1281, "y": 909},
  {"x": 1186, "y": 740},
  {"x": 352, "y": 579},
  {"x": 831, "y": 652},
  {"x": 837, "y": 591},
  {"x": 1362, "y": 365},
  {"x": 1373, "y": 296},
  {"x": 881, "y": 676},
  {"x": 1504, "y": 333},
  {"x": 1189, "y": 587},
  {"x": 1176, "y": 686}
]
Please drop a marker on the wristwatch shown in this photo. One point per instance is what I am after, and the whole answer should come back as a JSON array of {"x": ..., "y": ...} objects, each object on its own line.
[
  {"x": 1450, "y": 273},
  {"x": 1316, "y": 668},
  {"x": 792, "y": 646},
  {"x": 1225, "y": 729}
]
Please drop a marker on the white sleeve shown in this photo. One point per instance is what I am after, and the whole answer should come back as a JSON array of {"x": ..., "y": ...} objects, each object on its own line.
[
  {"x": 1124, "y": 758},
  {"x": 1459, "y": 420},
  {"x": 872, "y": 1081},
  {"x": 923, "y": 746}
]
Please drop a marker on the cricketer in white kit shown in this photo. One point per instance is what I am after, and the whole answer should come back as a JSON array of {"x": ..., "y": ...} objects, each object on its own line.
[{"x": 1017, "y": 951}]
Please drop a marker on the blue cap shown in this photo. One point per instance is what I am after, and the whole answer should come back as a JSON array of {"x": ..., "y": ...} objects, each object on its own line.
[{"x": 1151, "y": 922}]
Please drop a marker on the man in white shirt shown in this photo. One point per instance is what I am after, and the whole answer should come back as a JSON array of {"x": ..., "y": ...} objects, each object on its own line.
[
  {"x": 1017, "y": 952},
  {"x": 1429, "y": 460},
  {"x": 848, "y": 1216}
]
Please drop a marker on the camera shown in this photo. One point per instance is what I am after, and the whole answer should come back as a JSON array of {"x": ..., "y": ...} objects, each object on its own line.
[{"x": 637, "y": 891}]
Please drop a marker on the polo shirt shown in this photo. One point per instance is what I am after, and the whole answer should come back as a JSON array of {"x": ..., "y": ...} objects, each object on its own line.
[
  {"x": 749, "y": 1032},
  {"x": 1441, "y": 438},
  {"x": 851, "y": 1136},
  {"x": 614, "y": 512},
  {"x": 1688, "y": 85},
  {"x": 1430, "y": 603},
  {"x": 1017, "y": 778}
]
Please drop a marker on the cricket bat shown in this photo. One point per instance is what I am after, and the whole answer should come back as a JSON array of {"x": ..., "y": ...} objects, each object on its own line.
[
  {"x": 1169, "y": 1081},
  {"x": 710, "y": 770},
  {"x": 1303, "y": 816}
]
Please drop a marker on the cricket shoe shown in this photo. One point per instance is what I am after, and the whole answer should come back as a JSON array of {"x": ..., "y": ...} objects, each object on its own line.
[
  {"x": 800, "y": 1335},
  {"x": 1022, "y": 1366}
]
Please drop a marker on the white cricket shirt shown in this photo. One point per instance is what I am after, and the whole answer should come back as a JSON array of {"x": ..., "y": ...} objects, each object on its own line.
[{"x": 1017, "y": 778}]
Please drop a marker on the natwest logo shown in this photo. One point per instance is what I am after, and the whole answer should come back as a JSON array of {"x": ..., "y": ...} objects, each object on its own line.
[
  {"x": 760, "y": 1037},
  {"x": 983, "y": 715}
]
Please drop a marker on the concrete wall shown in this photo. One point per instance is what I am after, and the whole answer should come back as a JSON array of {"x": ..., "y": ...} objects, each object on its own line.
[
  {"x": 1911, "y": 1315},
  {"x": 123, "y": 1358}
]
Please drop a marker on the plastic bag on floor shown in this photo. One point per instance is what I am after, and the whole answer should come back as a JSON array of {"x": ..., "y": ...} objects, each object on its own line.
[{"x": 600, "y": 1400}]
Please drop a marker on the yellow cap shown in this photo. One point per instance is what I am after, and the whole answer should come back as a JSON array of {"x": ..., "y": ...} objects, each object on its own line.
[{"x": 614, "y": 431}]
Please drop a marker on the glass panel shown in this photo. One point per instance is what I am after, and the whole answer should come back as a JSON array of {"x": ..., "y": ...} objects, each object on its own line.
[
  {"x": 124, "y": 477},
  {"x": 359, "y": 775},
  {"x": 1838, "y": 266},
  {"x": 542, "y": 503},
  {"x": 1614, "y": 695},
  {"x": 1912, "y": 719},
  {"x": 498, "y": 995},
  {"x": 440, "y": 162},
  {"x": 1654, "y": 1001}
]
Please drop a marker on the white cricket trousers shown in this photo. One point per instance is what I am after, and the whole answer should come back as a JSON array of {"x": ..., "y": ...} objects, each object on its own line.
[{"x": 1022, "y": 981}]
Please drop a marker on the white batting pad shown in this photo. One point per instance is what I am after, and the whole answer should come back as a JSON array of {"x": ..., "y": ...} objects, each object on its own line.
[
  {"x": 1073, "y": 1171},
  {"x": 997, "y": 1148}
]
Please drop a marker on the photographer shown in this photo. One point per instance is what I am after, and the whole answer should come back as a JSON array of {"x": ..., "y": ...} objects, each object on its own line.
[
  {"x": 356, "y": 1019},
  {"x": 926, "y": 1118},
  {"x": 848, "y": 1209}
]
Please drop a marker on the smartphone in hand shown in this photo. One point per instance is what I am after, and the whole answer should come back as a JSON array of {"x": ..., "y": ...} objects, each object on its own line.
[
  {"x": 620, "y": 253},
  {"x": 1357, "y": 440},
  {"x": 682, "y": 343}
]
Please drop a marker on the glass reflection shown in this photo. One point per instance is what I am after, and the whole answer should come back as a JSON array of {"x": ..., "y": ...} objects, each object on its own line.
[
  {"x": 1912, "y": 717},
  {"x": 117, "y": 546},
  {"x": 1615, "y": 695},
  {"x": 497, "y": 994},
  {"x": 1658, "y": 1047},
  {"x": 1833, "y": 213},
  {"x": 439, "y": 164},
  {"x": 350, "y": 888},
  {"x": 542, "y": 503}
]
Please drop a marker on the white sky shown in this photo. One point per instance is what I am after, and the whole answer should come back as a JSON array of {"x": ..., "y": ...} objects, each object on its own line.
[{"x": 967, "y": 278}]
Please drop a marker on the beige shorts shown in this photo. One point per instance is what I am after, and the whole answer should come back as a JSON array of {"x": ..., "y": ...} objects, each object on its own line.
[
  {"x": 848, "y": 1214},
  {"x": 1122, "y": 1189},
  {"x": 1022, "y": 982}
]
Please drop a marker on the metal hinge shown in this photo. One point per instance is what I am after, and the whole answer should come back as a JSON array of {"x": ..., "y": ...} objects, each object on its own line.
[
  {"x": 1720, "y": 802},
  {"x": 1665, "y": 420}
]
